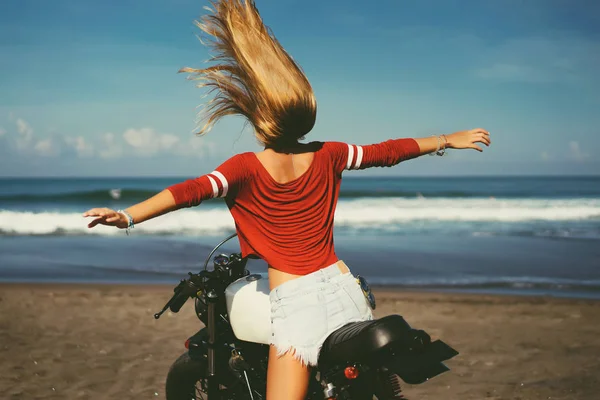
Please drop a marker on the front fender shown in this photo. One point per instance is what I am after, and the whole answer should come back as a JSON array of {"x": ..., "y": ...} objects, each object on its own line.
[{"x": 197, "y": 345}]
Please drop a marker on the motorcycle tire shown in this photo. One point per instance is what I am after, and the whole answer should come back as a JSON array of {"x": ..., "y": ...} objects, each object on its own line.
[{"x": 184, "y": 377}]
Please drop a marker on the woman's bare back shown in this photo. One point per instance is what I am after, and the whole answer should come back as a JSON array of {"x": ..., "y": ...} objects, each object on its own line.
[{"x": 286, "y": 167}]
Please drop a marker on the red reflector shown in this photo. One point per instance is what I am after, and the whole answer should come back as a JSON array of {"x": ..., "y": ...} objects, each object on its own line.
[
  {"x": 351, "y": 372},
  {"x": 187, "y": 344}
]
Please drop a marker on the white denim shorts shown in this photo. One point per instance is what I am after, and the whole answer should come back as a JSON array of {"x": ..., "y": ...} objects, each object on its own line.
[{"x": 306, "y": 310}]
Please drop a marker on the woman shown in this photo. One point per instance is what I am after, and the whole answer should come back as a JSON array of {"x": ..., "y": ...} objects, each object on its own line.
[{"x": 282, "y": 199}]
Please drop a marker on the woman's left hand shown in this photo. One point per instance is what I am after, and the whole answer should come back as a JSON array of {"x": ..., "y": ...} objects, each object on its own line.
[{"x": 106, "y": 216}]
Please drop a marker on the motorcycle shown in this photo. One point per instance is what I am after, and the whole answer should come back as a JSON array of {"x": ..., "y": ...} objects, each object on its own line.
[{"x": 227, "y": 359}]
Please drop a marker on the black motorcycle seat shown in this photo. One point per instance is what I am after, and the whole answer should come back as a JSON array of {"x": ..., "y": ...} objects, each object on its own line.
[{"x": 357, "y": 341}]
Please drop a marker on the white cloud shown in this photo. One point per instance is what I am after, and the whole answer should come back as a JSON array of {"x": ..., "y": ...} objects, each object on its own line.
[
  {"x": 196, "y": 146},
  {"x": 168, "y": 141},
  {"x": 81, "y": 147},
  {"x": 139, "y": 138},
  {"x": 110, "y": 148},
  {"x": 55, "y": 146},
  {"x": 25, "y": 134},
  {"x": 576, "y": 153},
  {"x": 147, "y": 142},
  {"x": 27, "y": 143},
  {"x": 138, "y": 142},
  {"x": 47, "y": 148},
  {"x": 24, "y": 128}
]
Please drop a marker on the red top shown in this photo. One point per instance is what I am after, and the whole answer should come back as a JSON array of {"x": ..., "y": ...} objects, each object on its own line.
[{"x": 289, "y": 225}]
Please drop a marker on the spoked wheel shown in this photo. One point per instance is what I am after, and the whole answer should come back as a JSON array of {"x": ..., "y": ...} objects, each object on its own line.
[
  {"x": 200, "y": 393},
  {"x": 186, "y": 380}
]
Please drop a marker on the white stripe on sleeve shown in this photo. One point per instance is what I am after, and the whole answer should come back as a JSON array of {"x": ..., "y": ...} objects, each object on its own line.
[
  {"x": 223, "y": 182},
  {"x": 215, "y": 188},
  {"x": 350, "y": 156},
  {"x": 359, "y": 156}
]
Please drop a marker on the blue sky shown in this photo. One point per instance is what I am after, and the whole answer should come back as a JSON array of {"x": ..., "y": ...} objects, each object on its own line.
[{"x": 91, "y": 88}]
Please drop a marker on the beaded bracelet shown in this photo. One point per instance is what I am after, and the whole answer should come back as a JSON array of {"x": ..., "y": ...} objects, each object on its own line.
[
  {"x": 443, "y": 150},
  {"x": 438, "y": 145},
  {"x": 130, "y": 223},
  {"x": 440, "y": 151}
]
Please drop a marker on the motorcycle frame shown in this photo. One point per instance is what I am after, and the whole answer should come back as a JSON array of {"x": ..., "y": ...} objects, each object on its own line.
[{"x": 212, "y": 379}]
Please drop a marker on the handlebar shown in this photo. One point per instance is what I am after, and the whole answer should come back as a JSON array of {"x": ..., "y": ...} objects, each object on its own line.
[
  {"x": 183, "y": 291},
  {"x": 193, "y": 284},
  {"x": 224, "y": 270},
  {"x": 179, "y": 298}
]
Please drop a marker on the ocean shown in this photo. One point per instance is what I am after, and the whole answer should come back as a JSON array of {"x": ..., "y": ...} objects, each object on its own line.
[{"x": 507, "y": 235}]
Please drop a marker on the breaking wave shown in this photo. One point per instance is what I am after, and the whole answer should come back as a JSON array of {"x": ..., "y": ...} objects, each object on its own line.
[{"x": 383, "y": 214}]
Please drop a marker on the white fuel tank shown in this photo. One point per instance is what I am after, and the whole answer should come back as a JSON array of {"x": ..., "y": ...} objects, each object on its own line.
[{"x": 249, "y": 308}]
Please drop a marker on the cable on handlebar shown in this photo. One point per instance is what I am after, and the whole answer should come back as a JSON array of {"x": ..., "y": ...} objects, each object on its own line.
[{"x": 216, "y": 248}]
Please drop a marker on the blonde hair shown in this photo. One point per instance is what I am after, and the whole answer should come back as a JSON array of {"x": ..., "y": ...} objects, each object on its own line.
[{"x": 254, "y": 76}]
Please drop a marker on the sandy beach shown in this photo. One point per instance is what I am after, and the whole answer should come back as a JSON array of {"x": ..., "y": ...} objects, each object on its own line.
[{"x": 101, "y": 342}]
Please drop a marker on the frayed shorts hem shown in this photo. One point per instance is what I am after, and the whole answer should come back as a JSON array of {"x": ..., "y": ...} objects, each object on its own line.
[
  {"x": 306, "y": 310},
  {"x": 307, "y": 355}
]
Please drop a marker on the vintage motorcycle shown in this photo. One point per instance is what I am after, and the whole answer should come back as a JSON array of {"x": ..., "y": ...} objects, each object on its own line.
[{"x": 227, "y": 359}]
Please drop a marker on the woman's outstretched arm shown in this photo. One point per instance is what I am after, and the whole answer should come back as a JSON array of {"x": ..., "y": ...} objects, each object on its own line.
[
  {"x": 156, "y": 205},
  {"x": 225, "y": 180},
  {"x": 457, "y": 140},
  {"x": 391, "y": 152}
]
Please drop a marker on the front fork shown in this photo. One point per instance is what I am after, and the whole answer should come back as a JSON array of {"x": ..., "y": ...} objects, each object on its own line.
[{"x": 212, "y": 379}]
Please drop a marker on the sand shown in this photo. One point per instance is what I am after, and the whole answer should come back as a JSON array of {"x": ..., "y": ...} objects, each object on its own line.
[{"x": 102, "y": 342}]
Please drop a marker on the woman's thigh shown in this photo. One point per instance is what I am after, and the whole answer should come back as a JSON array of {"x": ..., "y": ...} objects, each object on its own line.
[{"x": 287, "y": 377}]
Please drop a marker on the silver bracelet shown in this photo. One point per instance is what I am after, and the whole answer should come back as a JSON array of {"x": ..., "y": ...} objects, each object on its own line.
[
  {"x": 442, "y": 151},
  {"x": 130, "y": 223},
  {"x": 438, "y": 146}
]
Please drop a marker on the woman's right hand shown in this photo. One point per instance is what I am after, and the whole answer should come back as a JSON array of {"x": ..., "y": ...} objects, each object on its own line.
[
  {"x": 106, "y": 216},
  {"x": 467, "y": 139}
]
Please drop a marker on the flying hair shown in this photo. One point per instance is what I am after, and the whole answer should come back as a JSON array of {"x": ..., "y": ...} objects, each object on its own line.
[{"x": 253, "y": 76}]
